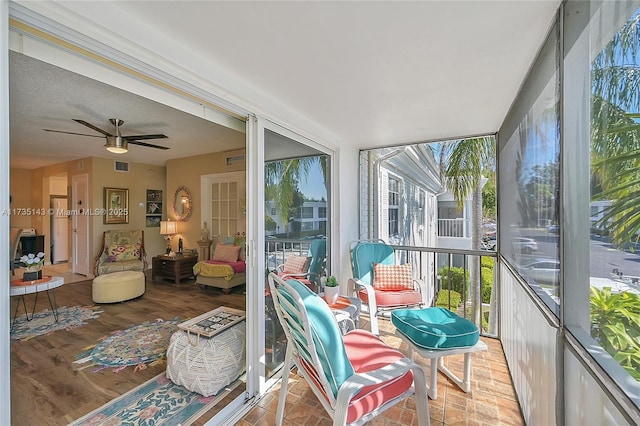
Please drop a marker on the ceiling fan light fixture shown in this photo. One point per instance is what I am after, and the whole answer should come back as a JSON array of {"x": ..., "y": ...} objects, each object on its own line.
[{"x": 116, "y": 144}]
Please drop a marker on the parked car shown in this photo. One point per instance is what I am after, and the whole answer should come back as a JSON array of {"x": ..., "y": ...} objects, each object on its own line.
[
  {"x": 553, "y": 229},
  {"x": 545, "y": 271},
  {"x": 489, "y": 244},
  {"x": 524, "y": 245}
]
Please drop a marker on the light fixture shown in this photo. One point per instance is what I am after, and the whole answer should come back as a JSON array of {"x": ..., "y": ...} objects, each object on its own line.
[
  {"x": 168, "y": 228},
  {"x": 116, "y": 144}
]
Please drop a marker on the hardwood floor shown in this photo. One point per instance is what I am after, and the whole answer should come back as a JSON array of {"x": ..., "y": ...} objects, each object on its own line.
[{"x": 48, "y": 389}]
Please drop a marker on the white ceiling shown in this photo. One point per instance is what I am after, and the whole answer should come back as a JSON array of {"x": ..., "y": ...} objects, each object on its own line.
[{"x": 363, "y": 74}]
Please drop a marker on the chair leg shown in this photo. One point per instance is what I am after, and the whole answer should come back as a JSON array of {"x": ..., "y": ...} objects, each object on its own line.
[
  {"x": 284, "y": 381},
  {"x": 373, "y": 324},
  {"x": 422, "y": 402},
  {"x": 433, "y": 378}
]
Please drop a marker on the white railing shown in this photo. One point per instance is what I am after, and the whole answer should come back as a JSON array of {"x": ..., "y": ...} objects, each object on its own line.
[{"x": 459, "y": 227}]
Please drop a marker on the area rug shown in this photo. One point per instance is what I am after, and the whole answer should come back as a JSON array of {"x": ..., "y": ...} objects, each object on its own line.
[
  {"x": 158, "y": 401},
  {"x": 140, "y": 346},
  {"x": 44, "y": 323}
]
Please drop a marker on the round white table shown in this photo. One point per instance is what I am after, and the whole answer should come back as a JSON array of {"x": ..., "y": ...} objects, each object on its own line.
[{"x": 19, "y": 289}]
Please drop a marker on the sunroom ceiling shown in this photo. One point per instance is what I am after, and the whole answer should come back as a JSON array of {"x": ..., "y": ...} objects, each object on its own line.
[{"x": 359, "y": 74}]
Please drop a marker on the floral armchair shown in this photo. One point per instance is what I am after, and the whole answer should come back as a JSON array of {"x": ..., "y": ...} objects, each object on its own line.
[{"x": 121, "y": 250}]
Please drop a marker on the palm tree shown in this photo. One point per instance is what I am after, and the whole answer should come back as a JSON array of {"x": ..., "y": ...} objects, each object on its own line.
[
  {"x": 615, "y": 131},
  {"x": 282, "y": 177},
  {"x": 462, "y": 164}
]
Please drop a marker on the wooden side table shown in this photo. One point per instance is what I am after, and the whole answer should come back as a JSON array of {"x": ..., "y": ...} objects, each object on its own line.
[{"x": 173, "y": 267}]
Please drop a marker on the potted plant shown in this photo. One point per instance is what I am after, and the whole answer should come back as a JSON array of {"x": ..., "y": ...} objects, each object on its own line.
[
  {"x": 33, "y": 264},
  {"x": 331, "y": 290}
]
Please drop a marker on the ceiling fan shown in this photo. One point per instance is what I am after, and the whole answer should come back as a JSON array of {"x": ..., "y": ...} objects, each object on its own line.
[{"x": 116, "y": 143}]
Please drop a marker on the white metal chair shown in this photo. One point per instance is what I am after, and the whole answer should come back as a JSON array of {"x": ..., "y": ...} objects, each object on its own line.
[
  {"x": 356, "y": 376},
  {"x": 401, "y": 289}
]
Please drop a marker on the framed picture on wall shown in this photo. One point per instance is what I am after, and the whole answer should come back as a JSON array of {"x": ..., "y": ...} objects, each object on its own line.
[
  {"x": 116, "y": 205},
  {"x": 154, "y": 195},
  {"x": 154, "y": 208},
  {"x": 153, "y": 221}
]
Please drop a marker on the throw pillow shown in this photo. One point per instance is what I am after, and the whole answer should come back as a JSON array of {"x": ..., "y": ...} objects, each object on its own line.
[
  {"x": 392, "y": 277},
  {"x": 226, "y": 253},
  {"x": 296, "y": 265},
  {"x": 241, "y": 240},
  {"x": 227, "y": 240},
  {"x": 123, "y": 252}
]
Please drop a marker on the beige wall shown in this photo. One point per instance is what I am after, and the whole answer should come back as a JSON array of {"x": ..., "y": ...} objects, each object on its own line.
[
  {"x": 187, "y": 171},
  {"x": 137, "y": 180},
  {"x": 30, "y": 189},
  {"x": 20, "y": 190},
  {"x": 31, "y": 192}
]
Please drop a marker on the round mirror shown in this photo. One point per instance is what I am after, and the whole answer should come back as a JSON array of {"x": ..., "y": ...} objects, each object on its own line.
[{"x": 182, "y": 204}]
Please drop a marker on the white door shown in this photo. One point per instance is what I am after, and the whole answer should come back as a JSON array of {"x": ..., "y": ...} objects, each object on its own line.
[
  {"x": 59, "y": 231},
  {"x": 80, "y": 224}
]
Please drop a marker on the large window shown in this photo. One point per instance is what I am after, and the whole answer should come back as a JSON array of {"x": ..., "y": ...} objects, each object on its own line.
[
  {"x": 529, "y": 177},
  {"x": 615, "y": 184}
]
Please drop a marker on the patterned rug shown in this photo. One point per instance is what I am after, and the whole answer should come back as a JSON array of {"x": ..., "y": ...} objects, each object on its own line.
[
  {"x": 141, "y": 345},
  {"x": 44, "y": 323},
  {"x": 156, "y": 402}
]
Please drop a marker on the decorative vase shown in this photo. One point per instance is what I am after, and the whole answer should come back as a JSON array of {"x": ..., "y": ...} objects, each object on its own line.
[
  {"x": 32, "y": 275},
  {"x": 331, "y": 295},
  {"x": 204, "y": 233}
]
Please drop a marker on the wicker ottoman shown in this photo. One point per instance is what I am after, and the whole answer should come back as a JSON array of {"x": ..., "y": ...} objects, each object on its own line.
[
  {"x": 118, "y": 286},
  {"x": 207, "y": 365}
]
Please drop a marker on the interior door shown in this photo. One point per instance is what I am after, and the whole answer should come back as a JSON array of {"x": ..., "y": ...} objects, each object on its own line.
[
  {"x": 80, "y": 224},
  {"x": 59, "y": 231}
]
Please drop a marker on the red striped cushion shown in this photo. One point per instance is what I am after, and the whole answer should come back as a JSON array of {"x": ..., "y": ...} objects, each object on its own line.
[
  {"x": 366, "y": 353},
  {"x": 392, "y": 277}
]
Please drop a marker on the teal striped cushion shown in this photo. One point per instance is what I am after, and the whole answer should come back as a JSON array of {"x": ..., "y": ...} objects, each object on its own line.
[
  {"x": 326, "y": 336},
  {"x": 435, "y": 328}
]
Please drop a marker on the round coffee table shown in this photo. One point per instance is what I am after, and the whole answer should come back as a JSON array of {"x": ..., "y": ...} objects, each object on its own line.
[{"x": 21, "y": 288}]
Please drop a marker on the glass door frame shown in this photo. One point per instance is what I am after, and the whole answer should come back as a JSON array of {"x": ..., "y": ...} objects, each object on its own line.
[{"x": 255, "y": 185}]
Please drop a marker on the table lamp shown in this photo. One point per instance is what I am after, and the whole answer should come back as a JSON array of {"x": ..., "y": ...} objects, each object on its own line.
[{"x": 168, "y": 228}]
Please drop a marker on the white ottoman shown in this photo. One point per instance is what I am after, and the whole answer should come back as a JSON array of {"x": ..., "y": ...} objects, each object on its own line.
[
  {"x": 207, "y": 365},
  {"x": 118, "y": 286}
]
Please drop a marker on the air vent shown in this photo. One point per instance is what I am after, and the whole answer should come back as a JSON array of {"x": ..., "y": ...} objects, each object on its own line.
[{"x": 121, "y": 166}]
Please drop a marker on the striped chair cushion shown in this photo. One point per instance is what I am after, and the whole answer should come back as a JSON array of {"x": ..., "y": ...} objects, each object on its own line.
[{"x": 326, "y": 336}]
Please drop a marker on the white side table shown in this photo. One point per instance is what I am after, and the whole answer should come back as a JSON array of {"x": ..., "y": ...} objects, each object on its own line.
[{"x": 36, "y": 287}]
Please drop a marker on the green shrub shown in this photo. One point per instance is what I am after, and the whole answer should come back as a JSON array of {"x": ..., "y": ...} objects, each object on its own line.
[
  {"x": 456, "y": 275},
  {"x": 615, "y": 324},
  {"x": 448, "y": 299},
  {"x": 487, "y": 284}
]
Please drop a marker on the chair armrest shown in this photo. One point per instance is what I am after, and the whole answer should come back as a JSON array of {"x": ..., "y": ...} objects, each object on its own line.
[
  {"x": 371, "y": 294},
  {"x": 420, "y": 287},
  {"x": 391, "y": 371}
]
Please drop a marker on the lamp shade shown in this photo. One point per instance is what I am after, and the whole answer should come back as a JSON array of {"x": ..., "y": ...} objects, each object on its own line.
[{"x": 168, "y": 227}]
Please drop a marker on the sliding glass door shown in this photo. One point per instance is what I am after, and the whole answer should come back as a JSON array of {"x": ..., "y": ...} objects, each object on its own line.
[{"x": 294, "y": 221}]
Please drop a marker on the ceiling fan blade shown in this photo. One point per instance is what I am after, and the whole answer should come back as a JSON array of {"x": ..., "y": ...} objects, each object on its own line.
[
  {"x": 72, "y": 133},
  {"x": 143, "y": 137},
  {"x": 148, "y": 145},
  {"x": 91, "y": 126}
]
